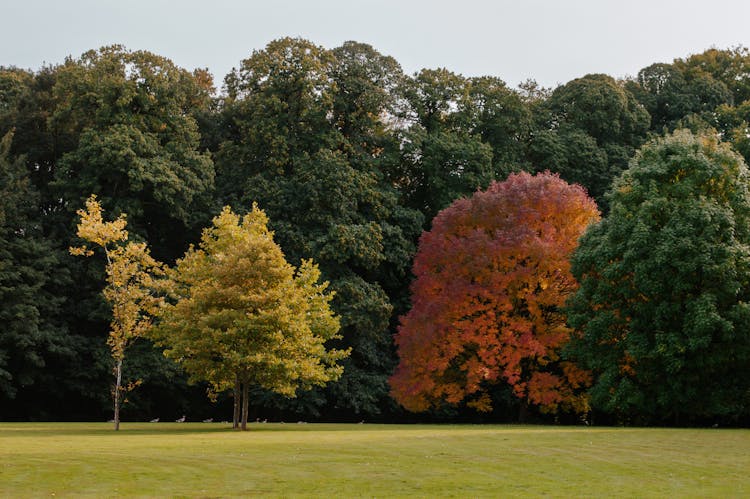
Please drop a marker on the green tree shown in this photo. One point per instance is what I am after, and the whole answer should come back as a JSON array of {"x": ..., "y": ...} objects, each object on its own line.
[
  {"x": 600, "y": 106},
  {"x": 309, "y": 138},
  {"x": 730, "y": 67},
  {"x": 501, "y": 118},
  {"x": 26, "y": 103},
  {"x": 136, "y": 141},
  {"x": 130, "y": 286},
  {"x": 276, "y": 112},
  {"x": 590, "y": 127},
  {"x": 30, "y": 334},
  {"x": 662, "y": 310},
  {"x": 733, "y": 122},
  {"x": 671, "y": 92},
  {"x": 365, "y": 98},
  {"x": 442, "y": 158},
  {"x": 242, "y": 317},
  {"x": 119, "y": 124}
]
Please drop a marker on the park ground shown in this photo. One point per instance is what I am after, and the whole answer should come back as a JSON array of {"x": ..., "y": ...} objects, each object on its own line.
[{"x": 340, "y": 460}]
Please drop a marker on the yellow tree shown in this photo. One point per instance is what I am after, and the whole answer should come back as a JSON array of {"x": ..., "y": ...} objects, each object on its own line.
[
  {"x": 240, "y": 315},
  {"x": 130, "y": 276}
]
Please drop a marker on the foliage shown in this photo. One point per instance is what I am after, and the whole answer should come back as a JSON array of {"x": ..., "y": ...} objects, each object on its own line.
[
  {"x": 30, "y": 334},
  {"x": 662, "y": 308},
  {"x": 670, "y": 92},
  {"x": 135, "y": 140},
  {"x": 728, "y": 67},
  {"x": 492, "y": 276},
  {"x": 350, "y": 157},
  {"x": 440, "y": 158},
  {"x": 26, "y": 103},
  {"x": 591, "y": 127},
  {"x": 733, "y": 122},
  {"x": 503, "y": 120},
  {"x": 308, "y": 140},
  {"x": 130, "y": 285},
  {"x": 119, "y": 124},
  {"x": 457, "y": 134},
  {"x": 242, "y": 316}
]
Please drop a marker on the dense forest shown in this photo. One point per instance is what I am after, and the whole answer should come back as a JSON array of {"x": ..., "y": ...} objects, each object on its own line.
[{"x": 352, "y": 160}]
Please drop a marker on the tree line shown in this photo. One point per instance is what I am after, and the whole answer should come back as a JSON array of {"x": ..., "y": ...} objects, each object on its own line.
[{"x": 351, "y": 160}]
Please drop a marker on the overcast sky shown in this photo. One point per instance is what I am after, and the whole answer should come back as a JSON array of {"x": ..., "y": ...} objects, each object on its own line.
[{"x": 552, "y": 41}]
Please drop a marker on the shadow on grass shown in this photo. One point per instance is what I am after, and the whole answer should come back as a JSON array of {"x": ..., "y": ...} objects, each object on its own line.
[{"x": 189, "y": 428}]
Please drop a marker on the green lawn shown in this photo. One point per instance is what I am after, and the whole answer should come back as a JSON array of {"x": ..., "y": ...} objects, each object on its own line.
[{"x": 328, "y": 460}]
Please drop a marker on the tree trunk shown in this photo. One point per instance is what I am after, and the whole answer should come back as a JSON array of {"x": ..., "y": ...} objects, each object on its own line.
[
  {"x": 118, "y": 382},
  {"x": 245, "y": 404},
  {"x": 523, "y": 411},
  {"x": 237, "y": 396}
]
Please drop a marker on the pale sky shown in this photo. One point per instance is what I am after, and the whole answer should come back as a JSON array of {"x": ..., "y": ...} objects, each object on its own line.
[{"x": 552, "y": 41}]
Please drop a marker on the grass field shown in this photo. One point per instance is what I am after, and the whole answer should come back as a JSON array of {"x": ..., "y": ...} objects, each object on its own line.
[{"x": 329, "y": 460}]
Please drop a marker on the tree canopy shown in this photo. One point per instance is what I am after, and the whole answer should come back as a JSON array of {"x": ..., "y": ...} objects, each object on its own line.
[
  {"x": 350, "y": 157},
  {"x": 491, "y": 278},
  {"x": 242, "y": 316},
  {"x": 319, "y": 174},
  {"x": 30, "y": 333},
  {"x": 591, "y": 127},
  {"x": 662, "y": 309}
]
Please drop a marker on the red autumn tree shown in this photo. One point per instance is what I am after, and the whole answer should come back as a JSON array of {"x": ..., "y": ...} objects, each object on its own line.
[{"x": 492, "y": 277}]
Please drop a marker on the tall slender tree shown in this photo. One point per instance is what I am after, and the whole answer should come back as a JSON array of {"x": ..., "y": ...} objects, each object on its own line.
[{"x": 130, "y": 288}]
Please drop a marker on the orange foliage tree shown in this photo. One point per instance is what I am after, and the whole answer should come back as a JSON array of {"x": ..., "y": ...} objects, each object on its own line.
[{"x": 492, "y": 277}]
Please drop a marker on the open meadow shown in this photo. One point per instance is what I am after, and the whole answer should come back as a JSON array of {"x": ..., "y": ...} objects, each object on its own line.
[{"x": 341, "y": 460}]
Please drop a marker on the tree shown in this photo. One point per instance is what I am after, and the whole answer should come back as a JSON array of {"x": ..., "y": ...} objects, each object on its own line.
[
  {"x": 733, "y": 122},
  {"x": 590, "y": 128},
  {"x": 242, "y": 317},
  {"x": 730, "y": 67},
  {"x": 600, "y": 106},
  {"x": 119, "y": 124},
  {"x": 670, "y": 92},
  {"x": 365, "y": 97},
  {"x": 491, "y": 278},
  {"x": 308, "y": 139},
  {"x": 662, "y": 312},
  {"x": 135, "y": 142},
  {"x": 68, "y": 301},
  {"x": 130, "y": 271},
  {"x": 576, "y": 157},
  {"x": 443, "y": 156},
  {"x": 30, "y": 334},
  {"x": 276, "y": 105},
  {"x": 502, "y": 119}
]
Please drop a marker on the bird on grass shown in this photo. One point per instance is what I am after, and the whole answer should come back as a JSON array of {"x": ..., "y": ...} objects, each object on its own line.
[
  {"x": 155, "y": 420},
  {"x": 209, "y": 420},
  {"x": 181, "y": 420}
]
